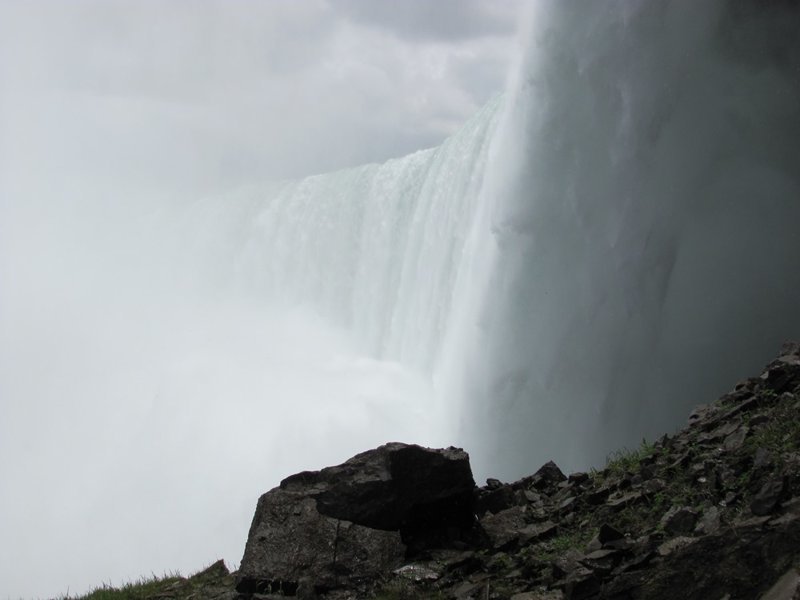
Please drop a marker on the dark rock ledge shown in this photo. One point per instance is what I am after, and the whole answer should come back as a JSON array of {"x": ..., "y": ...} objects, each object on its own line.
[{"x": 710, "y": 513}]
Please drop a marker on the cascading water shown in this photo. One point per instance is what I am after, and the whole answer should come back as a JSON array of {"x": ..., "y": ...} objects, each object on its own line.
[
  {"x": 645, "y": 237},
  {"x": 621, "y": 252},
  {"x": 376, "y": 249}
]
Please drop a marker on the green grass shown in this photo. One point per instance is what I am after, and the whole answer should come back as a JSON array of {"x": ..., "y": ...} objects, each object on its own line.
[
  {"x": 211, "y": 580},
  {"x": 781, "y": 433},
  {"x": 138, "y": 590},
  {"x": 626, "y": 460},
  {"x": 571, "y": 539}
]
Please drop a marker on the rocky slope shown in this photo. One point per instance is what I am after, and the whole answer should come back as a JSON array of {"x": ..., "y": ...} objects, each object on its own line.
[{"x": 712, "y": 513}]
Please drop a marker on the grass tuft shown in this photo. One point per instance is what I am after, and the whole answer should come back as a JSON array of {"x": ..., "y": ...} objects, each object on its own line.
[{"x": 136, "y": 590}]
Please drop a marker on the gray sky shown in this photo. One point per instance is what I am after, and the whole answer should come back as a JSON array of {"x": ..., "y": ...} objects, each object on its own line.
[
  {"x": 241, "y": 90},
  {"x": 134, "y": 435}
]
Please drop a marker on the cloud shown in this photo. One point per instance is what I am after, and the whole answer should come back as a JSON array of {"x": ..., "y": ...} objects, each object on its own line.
[
  {"x": 423, "y": 20},
  {"x": 257, "y": 90}
]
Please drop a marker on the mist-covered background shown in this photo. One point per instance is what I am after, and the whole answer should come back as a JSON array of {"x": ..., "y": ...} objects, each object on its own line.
[
  {"x": 579, "y": 261},
  {"x": 146, "y": 400}
]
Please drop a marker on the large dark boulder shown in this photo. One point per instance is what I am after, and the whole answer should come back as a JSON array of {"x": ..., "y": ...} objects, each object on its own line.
[
  {"x": 387, "y": 487},
  {"x": 357, "y": 520}
]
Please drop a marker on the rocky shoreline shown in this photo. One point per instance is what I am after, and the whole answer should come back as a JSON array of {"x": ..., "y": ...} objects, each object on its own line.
[{"x": 711, "y": 513}]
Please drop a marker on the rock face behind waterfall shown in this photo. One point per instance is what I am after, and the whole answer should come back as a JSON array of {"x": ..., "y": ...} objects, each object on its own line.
[
  {"x": 712, "y": 512},
  {"x": 357, "y": 520}
]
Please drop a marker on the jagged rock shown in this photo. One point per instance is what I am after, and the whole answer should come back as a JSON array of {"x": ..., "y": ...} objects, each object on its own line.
[
  {"x": 564, "y": 564},
  {"x": 653, "y": 486},
  {"x": 709, "y": 522},
  {"x": 781, "y": 373},
  {"x": 675, "y": 544},
  {"x": 757, "y": 420},
  {"x": 718, "y": 434},
  {"x": 566, "y": 504},
  {"x": 790, "y": 353},
  {"x": 647, "y": 472},
  {"x": 747, "y": 402},
  {"x": 639, "y": 561},
  {"x": 531, "y": 496},
  {"x": 768, "y": 497},
  {"x": 468, "y": 589},
  {"x": 212, "y": 583},
  {"x": 730, "y": 499},
  {"x": 548, "y": 474},
  {"x": 601, "y": 561},
  {"x": 743, "y": 561},
  {"x": 605, "y": 535},
  {"x": 579, "y": 477},
  {"x": 499, "y": 562},
  {"x": 504, "y": 528},
  {"x": 762, "y": 459},
  {"x": 290, "y": 543},
  {"x": 791, "y": 462},
  {"x": 724, "y": 477},
  {"x": 786, "y": 588},
  {"x": 681, "y": 461},
  {"x": 355, "y": 519},
  {"x": 214, "y": 571},
  {"x": 383, "y": 488},
  {"x": 701, "y": 413},
  {"x": 582, "y": 583},
  {"x": 598, "y": 496},
  {"x": 461, "y": 562},
  {"x": 678, "y": 520},
  {"x": 754, "y": 522},
  {"x": 620, "y": 502},
  {"x": 417, "y": 573},
  {"x": 535, "y": 533},
  {"x": 623, "y": 544},
  {"x": 735, "y": 440},
  {"x": 495, "y": 499}
]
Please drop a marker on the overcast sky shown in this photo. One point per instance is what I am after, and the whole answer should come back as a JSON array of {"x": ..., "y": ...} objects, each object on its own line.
[
  {"x": 226, "y": 91},
  {"x": 133, "y": 433}
]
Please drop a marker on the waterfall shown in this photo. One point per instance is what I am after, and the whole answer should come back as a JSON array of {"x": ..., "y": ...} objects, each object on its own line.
[
  {"x": 375, "y": 249},
  {"x": 612, "y": 242},
  {"x": 644, "y": 242}
]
